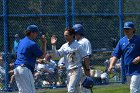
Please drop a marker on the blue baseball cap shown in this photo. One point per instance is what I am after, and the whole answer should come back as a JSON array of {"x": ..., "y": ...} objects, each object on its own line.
[
  {"x": 32, "y": 28},
  {"x": 128, "y": 25},
  {"x": 78, "y": 28}
]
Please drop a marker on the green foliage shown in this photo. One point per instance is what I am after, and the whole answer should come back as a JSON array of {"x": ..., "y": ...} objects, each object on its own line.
[
  {"x": 99, "y": 18},
  {"x": 1, "y": 86}
]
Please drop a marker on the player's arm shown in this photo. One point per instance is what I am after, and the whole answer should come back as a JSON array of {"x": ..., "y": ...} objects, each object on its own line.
[
  {"x": 37, "y": 51},
  {"x": 53, "y": 42},
  {"x": 41, "y": 61},
  {"x": 86, "y": 66},
  {"x": 136, "y": 60},
  {"x": 113, "y": 61},
  {"x": 56, "y": 53},
  {"x": 44, "y": 42}
]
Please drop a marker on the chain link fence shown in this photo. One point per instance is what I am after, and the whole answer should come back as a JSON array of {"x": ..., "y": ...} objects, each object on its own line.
[{"x": 102, "y": 21}]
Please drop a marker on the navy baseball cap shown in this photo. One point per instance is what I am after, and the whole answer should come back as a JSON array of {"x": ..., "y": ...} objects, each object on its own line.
[
  {"x": 32, "y": 28},
  {"x": 78, "y": 28},
  {"x": 128, "y": 25}
]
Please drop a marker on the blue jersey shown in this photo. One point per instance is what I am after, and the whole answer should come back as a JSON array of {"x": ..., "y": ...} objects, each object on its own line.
[
  {"x": 129, "y": 50},
  {"x": 27, "y": 52}
]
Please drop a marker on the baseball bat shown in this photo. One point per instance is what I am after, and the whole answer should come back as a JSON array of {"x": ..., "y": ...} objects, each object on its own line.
[{"x": 91, "y": 90}]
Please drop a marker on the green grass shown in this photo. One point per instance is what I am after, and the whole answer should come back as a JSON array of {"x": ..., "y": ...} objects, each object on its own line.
[
  {"x": 102, "y": 68},
  {"x": 113, "y": 88},
  {"x": 1, "y": 86}
]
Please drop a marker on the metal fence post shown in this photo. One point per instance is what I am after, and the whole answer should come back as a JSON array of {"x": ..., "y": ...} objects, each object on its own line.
[
  {"x": 120, "y": 17},
  {"x": 120, "y": 27},
  {"x": 73, "y": 12},
  {"x": 66, "y": 13},
  {"x": 5, "y": 44}
]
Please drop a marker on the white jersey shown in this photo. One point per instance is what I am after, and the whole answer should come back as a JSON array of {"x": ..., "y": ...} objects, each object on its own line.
[
  {"x": 72, "y": 53},
  {"x": 86, "y": 45},
  {"x": 49, "y": 66},
  {"x": 61, "y": 62}
]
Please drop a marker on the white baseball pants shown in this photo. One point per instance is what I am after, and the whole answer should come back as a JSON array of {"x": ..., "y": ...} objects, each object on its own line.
[
  {"x": 24, "y": 80},
  {"x": 135, "y": 84},
  {"x": 74, "y": 79}
]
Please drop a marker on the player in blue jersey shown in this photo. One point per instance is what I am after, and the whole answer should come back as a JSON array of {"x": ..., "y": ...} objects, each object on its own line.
[
  {"x": 73, "y": 55},
  {"x": 129, "y": 48},
  {"x": 27, "y": 53}
]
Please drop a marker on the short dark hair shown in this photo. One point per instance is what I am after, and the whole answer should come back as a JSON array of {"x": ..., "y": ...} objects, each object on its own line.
[
  {"x": 70, "y": 30},
  {"x": 27, "y": 33}
]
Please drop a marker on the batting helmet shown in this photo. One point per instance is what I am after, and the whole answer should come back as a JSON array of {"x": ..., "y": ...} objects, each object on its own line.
[
  {"x": 78, "y": 28},
  {"x": 88, "y": 82}
]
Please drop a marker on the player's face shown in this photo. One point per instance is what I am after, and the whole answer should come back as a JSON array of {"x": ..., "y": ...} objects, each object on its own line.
[
  {"x": 128, "y": 31},
  {"x": 67, "y": 36},
  {"x": 34, "y": 34}
]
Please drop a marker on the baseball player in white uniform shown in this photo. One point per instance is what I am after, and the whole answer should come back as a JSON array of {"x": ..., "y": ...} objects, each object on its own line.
[
  {"x": 73, "y": 54},
  {"x": 86, "y": 45}
]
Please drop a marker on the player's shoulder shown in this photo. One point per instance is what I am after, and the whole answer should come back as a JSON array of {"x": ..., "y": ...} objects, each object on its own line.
[
  {"x": 27, "y": 40},
  {"x": 65, "y": 44},
  {"x": 123, "y": 39},
  {"x": 76, "y": 43},
  {"x": 84, "y": 39},
  {"x": 138, "y": 36}
]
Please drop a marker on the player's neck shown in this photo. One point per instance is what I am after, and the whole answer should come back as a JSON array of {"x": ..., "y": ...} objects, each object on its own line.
[
  {"x": 70, "y": 42},
  {"x": 80, "y": 38},
  {"x": 130, "y": 36}
]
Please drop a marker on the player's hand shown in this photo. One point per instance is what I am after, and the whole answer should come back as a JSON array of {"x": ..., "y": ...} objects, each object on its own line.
[
  {"x": 110, "y": 69},
  {"x": 87, "y": 73},
  {"x": 11, "y": 64},
  {"x": 53, "y": 40},
  {"x": 41, "y": 61},
  {"x": 11, "y": 72},
  {"x": 136, "y": 60},
  {"x": 43, "y": 39}
]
